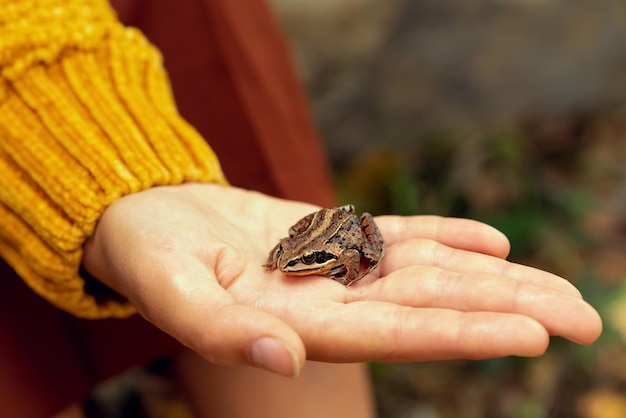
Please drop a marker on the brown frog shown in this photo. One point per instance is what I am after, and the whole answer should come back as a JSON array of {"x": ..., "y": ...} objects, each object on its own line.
[{"x": 331, "y": 242}]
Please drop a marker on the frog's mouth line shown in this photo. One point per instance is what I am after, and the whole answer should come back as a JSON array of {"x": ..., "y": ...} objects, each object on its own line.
[{"x": 310, "y": 270}]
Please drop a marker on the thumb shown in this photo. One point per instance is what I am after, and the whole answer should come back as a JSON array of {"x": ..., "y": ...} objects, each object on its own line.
[
  {"x": 180, "y": 294},
  {"x": 200, "y": 314}
]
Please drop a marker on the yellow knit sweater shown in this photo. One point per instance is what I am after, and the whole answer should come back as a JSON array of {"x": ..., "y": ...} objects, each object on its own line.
[{"x": 86, "y": 117}]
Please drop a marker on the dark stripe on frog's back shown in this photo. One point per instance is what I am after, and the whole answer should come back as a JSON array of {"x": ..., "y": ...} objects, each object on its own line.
[
  {"x": 304, "y": 228},
  {"x": 348, "y": 224},
  {"x": 312, "y": 220},
  {"x": 311, "y": 225},
  {"x": 322, "y": 221}
]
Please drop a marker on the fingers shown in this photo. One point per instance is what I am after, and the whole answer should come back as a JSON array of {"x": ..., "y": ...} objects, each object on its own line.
[
  {"x": 444, "y": 268},
  {"x": 388, "y": 332},
  {"x": 457, "y": 233},
  {"x": 561, "y": 314},
  {"x": 432, "y": 253}
]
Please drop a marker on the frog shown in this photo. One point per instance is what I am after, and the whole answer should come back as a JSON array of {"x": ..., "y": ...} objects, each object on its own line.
[{"x": 331, "y": 242}]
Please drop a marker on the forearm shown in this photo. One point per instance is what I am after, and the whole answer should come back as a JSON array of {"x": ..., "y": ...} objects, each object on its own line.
[{"x": 86, "y": 117}]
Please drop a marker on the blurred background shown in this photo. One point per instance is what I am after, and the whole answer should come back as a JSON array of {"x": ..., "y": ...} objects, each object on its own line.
[{"x": 512, "y": 112}]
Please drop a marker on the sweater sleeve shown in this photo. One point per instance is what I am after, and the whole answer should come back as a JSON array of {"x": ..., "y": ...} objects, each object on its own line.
[{"x": 86, "y": 117}]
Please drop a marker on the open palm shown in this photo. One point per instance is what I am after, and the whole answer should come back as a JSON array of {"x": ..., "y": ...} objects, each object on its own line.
[{"x": 190, "y": 259}]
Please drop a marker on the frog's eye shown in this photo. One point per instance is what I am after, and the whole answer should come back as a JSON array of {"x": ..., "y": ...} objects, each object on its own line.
[{"x": 308, "y": 258}]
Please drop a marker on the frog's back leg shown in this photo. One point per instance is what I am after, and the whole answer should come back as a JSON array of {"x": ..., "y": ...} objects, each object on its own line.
[{"x": 373, "y": 242}]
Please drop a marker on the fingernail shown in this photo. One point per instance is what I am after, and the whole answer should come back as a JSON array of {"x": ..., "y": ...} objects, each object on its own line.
[{"x": 272, "y": 355}]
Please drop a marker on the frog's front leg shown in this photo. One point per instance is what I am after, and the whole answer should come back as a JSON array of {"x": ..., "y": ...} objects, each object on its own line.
[
  {"x": 272, "y": 260},
  {"x": 373, "y": 242},
  {"x": 346, "y": 269}
]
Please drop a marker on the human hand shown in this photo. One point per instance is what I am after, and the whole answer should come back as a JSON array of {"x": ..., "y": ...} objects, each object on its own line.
[{"x": 190, "y": 258}]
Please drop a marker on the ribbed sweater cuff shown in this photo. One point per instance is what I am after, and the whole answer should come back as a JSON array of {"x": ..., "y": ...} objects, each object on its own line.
[{"x": 85, "y": 118}]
